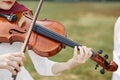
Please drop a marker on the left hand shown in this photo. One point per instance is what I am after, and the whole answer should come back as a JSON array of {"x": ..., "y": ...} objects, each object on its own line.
[{"x": 77, "y": 59}]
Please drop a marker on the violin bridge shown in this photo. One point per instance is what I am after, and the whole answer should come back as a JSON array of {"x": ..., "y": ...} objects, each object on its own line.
[{"x": 21, "y": 21}]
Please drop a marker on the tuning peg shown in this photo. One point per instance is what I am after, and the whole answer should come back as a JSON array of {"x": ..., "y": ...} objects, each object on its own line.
[
  {"x": 106, "y": 56},
  {"x": 100, "y": 51},
  {"x": 102, "y": 71},
  {"x": 97, "y": 65}
]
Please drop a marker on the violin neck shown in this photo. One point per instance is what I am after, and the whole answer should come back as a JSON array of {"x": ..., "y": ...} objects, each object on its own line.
[{"x": 53, "y": 35}]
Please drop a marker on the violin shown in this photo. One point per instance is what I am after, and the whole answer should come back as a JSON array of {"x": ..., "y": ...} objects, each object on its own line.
[{"x": 48, "y": 37}]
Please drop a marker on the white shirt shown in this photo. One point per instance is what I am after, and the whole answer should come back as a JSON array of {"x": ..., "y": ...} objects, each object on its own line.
[
  {"x": 42, "y": 65},
  {"x": 116, "y": 51}
]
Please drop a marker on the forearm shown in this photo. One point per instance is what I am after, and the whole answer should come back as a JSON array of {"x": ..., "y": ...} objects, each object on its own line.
[{"x": 60, "y": 67}]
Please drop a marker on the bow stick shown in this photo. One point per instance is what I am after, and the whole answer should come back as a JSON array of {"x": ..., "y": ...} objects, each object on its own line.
[{"x": 24, "y": 46}]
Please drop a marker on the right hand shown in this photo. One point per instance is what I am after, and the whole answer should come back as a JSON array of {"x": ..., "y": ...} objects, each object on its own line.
[{"x": 12, "y": 62}]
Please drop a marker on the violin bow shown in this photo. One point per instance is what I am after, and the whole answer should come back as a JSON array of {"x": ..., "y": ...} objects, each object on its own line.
[{"x": 24, "y": 46}]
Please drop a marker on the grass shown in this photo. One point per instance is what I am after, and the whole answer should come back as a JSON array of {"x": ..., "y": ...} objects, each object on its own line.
[{"x": 90, "y": 24}]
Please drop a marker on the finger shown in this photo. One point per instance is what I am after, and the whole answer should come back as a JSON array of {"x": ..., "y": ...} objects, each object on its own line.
[
  {"x": 85, "y": 49},
  {"x": 17, "y": 59},
  {"x": 86, "y": 52},
  {"x": 15, "y": 65},
  {"x": 81, "y": 55},
  {"x": 23, "y": 56},
  {"x": 90, "y": 52},
  {"x": 11, "y": 69},
  {"x": 81, "y": 51},
  {"x": 18, "y": 54},
  {"x": 21, "y": 64},
  {"x": 75, "y": 52}
]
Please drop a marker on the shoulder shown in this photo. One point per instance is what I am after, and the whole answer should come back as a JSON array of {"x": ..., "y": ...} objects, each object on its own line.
[
  {"x": 19, "y": 7},
  {"x": 117, "y": 22},
  {"x": 118, "y": 19}
]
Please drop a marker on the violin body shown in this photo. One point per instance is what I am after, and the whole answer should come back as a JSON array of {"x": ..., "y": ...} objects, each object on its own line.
[{"x": 13, "y": 32}]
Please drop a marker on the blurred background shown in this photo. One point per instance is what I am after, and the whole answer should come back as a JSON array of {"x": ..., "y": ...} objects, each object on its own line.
[{"x": 87, "y": 22}]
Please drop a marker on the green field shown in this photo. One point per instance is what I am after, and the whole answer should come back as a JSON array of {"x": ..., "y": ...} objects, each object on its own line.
[{"x": 90, "y": 24}]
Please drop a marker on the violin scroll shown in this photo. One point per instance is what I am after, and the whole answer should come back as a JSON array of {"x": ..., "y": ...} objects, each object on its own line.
[{"x": 109, "y": 66}]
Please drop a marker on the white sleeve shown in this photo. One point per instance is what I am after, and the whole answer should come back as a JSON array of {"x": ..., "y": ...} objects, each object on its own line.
[
  {"x": 42, "y": 64},
  {"x": 117, "y": 34},
  {"x": 116, "y": 51},
  {"x": 116, "y": 58}
]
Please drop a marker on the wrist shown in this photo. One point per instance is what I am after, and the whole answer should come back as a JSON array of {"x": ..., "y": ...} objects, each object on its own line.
[
  {"x": 71, "y": 64},
  {"x": 60, "y": 67}
]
